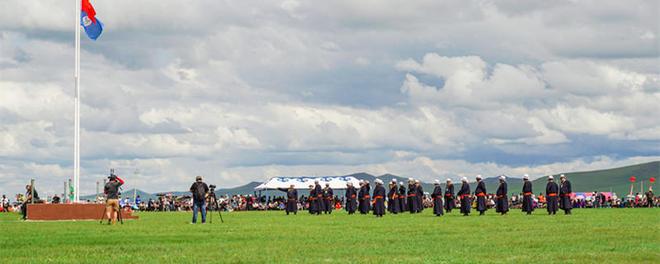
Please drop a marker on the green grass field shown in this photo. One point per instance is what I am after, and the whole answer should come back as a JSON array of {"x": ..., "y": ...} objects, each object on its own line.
[{"x": 587, "y": 236}]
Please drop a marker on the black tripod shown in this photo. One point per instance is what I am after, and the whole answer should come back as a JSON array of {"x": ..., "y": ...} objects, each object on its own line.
[
  {"x": 119, "y": 217},
  {"x": 213, "y": 205}
]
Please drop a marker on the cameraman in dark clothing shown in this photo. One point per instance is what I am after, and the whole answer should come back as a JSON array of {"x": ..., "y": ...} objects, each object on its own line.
[
  {"x": 29, "y": 199},
  {"x": 111, "y": 191},
  {"x": 199, "y": 189}
]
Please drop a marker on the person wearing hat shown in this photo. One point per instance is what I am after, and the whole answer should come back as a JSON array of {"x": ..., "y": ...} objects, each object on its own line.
[
  {"x": 365, "y": 198},
  {"x": 199, "y": 189},
  {"x": 551, "y": 190},
  {"x": 420, "y": 196},
  {"x": 480, "y": 193},
  {"x": 464, "y": 196},
  {"x": 402, "y": 197},
  {"x": 437, "y": 199},
  {"x": 393, "y": 198},
  {"x": 502, "y": 203},
  {"x": 412, "y": 196},
  {"x": 328, "y": 199},
  {"x": 449, "y": 196},
  {"x": 291, "y": 199},
  {"x": 313, "y": 206},
  {"x": 320, "y": 205},
  {"x": 351, "y": 198},
  {"x": 565, "y": 195},
  {"x": 379, "y": 199},
  {"x": 527, "y": 205}
]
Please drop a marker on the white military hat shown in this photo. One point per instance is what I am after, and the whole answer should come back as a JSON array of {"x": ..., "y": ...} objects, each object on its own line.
[
  {"x": 393, "y": 180},
  {"x": 448, "y": 180},
  {"x": 378, "y": 181},
  {"x": 551, "y": 177},
  {"x": 437, "y": 182},
  {"x": 464, "y": 179},
  {"x": 478, "y": 176},
  {"x": 526, "y": 177},
  {"x": 502, "y": 177}
]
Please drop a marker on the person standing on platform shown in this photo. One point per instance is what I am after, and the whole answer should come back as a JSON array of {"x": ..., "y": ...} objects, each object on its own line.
[
  {"x": 412, "y": 196},
  {"x": 527, "y": 203},
  {"x": 551, "y": 190},
  {"x": 291, "y": 199},
  {"x": 379, "y": 198},
  {"x": 328, "y": 199},
  {"x": 351, "y": 197},
  {"x": 420, "y": 196},
  {"x": 480, "y": 193},
  {"x": 313, "y": 206},
  {"x": 565, "y": 191},
  {"x": 393, "y": 198},
  {"x": 449, "y": 196},
  {"x": 402, "y": 197},
  {"x": 464, "y": 195},
  {"x": 437, "y": 199},
  {"x": 502, "y": 204}
]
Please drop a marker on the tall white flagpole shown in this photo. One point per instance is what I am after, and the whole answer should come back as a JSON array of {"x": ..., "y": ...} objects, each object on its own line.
[{"x": 76, "y": 118}]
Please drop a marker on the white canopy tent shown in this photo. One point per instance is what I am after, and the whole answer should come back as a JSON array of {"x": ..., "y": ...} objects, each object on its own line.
[{"x": 336, "y": 182}]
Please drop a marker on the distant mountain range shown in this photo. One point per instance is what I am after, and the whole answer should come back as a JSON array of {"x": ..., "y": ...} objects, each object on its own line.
[{"x": 615, "y": 180}]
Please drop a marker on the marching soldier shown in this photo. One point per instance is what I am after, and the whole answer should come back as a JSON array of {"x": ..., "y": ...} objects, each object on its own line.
[
  {"x": 420, "y": 196},
  {"x": 502, "y": 205},
  {"x": 291, "y": 199},
  {"x": 437, "y": 199},
  {"x": 551, "y": 190},
  {"x": 320, "y": 205},
  {"x": 393, "y": 198},
  {"x": 527, "y": 205},
  {"x": 328, "y": 199},
  {"x": 449, "y": 196},
  {"x": 364, "y": 197},
  {"x": 412, "y": 196},
  {"x": 464, "y": 195},
  {"x": 351, "y": 196},
  {"x": 361, "y": 198},
  {"x": 313, "y": 207},
  {"x": 565, "y": 195},
  {"x": 402, "y": 197},
  {"x": 480, "y": 193},
  {"x": 379, "y": 198}
]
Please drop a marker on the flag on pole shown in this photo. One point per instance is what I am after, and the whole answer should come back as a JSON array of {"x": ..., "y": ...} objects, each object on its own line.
[{"x": 93, "y": 26}]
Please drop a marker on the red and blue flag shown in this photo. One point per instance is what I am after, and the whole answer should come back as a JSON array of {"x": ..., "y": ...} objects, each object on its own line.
[{"x": 93, "y": 26}]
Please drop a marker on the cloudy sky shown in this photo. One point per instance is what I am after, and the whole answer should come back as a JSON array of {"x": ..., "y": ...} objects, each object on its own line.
[{"x": 240, "y": 91}]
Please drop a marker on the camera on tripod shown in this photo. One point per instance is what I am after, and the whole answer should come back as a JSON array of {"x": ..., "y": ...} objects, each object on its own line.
[{"x": 212, "y": 187}]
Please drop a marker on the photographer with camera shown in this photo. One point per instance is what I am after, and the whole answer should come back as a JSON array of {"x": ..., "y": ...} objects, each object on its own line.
[
  {"x": 111, "y": 191},
  {"x": 199, "y": 190}
]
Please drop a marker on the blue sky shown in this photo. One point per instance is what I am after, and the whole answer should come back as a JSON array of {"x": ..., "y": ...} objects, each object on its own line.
[{"x": 241, "y": 91}]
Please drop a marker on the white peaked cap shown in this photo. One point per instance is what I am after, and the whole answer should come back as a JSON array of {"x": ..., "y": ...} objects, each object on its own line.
[
  {"x": 464, "y": 179},
  {"x": 393, "y": 180},
  {"x": 411, "y": 179},
  {"x": 551, "y": 177},
  {"x": 526, "y": 176},
  {"x": 416, "y": 181},
  {"x": 448, "y": 180},
  {"x": 378, "y": 181},
  {"x": 479, "y": 176},
  {"x": 502, "y": 177},
  {"x": 562, "y": 176},
  {"x": 401, "y": 183},
  {"x": 437, "y": 182}
]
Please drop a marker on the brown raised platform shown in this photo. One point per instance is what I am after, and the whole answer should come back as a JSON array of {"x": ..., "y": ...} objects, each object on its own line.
[{"x": 70, "y": 212}]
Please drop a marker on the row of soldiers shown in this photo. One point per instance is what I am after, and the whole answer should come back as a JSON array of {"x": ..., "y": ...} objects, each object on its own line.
[{"x": 400, "y": 199}]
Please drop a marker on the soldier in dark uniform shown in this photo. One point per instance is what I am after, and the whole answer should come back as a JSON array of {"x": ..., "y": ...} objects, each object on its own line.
[
  {"x": 361, "y": 205},
  {"x": 393, "y": 198},
  {"x": 402, "y": 197},
  {"x": 449, "y": 196},
  {"x": 367, "y": 197},
  {"x": 379, "y": 199},
  {"x": 320, "y": 205},
  {"x": 464, "y": 195},
  {"x": 527, "y": 205},
  {"x": 502, "y": 204},
  {"x": 351, "y": 197},
  {"x": 565, "y": 191},
  {"x": 437, "y": 199},
  {"x": 420, "y": 196},
  {"x": 480, "y": 193},
  {"x": 313, "y": 207},
  {"x": 551, "y": 190},
  {"x": 291, "y": 199},
  {"x": 328, "y": 199},
  {"x": 412, "y": 196}
]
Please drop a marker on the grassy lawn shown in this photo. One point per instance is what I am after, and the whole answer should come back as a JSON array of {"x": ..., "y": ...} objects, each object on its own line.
[{"x": 587, "y": 236}]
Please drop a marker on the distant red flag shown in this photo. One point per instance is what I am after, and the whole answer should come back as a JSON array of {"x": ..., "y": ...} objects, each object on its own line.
[
  {"x": 632, "y": 179},
  {"x": 89, "y": 9},
  {"x": 652, "y": 180}
]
